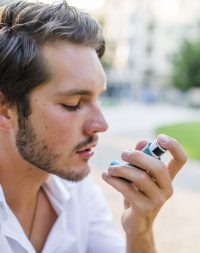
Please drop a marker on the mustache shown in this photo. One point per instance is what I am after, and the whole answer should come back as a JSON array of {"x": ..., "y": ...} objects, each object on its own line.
[{"x": 87, "y": 142}]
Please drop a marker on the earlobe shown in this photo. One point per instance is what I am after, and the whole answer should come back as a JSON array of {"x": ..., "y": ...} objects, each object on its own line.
[{"x": 5, "y": 122}]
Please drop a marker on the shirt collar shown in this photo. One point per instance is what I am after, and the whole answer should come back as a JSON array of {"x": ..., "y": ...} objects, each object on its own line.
[
  {"x": 3, "y": 207},
  {"x": 58, "y": 191}
]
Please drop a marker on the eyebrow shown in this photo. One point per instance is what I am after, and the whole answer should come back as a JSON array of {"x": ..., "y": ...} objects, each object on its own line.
[{"x": 77, "y": 92}]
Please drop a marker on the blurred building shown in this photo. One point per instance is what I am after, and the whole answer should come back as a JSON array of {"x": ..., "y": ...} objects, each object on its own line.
[{"x": 142, "y": 37}]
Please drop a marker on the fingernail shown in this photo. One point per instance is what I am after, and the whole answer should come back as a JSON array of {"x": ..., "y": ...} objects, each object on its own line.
[
  {"x": 111, "y": 169},
  {"x": 163, "y": 139},
  {"x": 126, "y": 154}
]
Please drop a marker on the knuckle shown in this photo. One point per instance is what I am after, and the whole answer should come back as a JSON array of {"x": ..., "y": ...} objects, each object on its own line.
[
  {"x": 135, "y": 156},
  {"x": 128, "y": 196},
  {"x": 161, "y": 168},
  {"x": 183, "y": 159},
  {"x": 127, "y": 193},
  {"x": 118, "y": 171},
  {"x": 142, "y": 178},
  {"x": 150, "y": 208},
  {"x": 182, "y": 155},
  {"x": 113, "y": 170},
  {"x": 159, "y": 201},
  {"x": 138, "y": 155},
  {"x": 169, "y": 192}
]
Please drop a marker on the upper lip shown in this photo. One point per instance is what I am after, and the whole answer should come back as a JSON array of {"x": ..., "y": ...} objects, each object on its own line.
[{"x": 93, "y": 145}]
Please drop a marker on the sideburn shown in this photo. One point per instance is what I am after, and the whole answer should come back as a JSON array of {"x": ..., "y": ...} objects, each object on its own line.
[{"x": 23, "y": 108}]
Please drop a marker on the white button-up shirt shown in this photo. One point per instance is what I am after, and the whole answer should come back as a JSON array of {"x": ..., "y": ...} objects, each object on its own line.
[{"x": 83, "y": 225}]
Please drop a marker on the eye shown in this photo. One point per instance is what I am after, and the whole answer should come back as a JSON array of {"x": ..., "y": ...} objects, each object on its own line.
[{"x": 71, "y": 108}]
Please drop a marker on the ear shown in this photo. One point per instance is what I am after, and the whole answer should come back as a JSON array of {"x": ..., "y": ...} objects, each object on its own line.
[{"x": 5, "y": 115}]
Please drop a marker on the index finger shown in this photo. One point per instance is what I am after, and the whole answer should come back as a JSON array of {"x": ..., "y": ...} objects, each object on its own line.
[{"x": 179, "y": 156}]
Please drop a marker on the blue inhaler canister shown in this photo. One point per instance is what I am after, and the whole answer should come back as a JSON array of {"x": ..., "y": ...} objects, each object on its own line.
[{"x": 152, "y": 149}]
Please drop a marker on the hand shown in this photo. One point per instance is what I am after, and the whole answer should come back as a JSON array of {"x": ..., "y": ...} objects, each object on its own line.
[{"x": 150, "y": 187}]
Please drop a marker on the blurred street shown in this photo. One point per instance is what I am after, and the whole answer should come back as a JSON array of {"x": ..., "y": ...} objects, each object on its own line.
[{"x": 177, "y": 229}]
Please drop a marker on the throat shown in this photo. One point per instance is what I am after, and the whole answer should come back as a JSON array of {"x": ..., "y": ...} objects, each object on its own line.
[
  {"x": 34, "y": 215},
  {"x": 38, "y": 220},
  {"x": 44, "y": 220}
]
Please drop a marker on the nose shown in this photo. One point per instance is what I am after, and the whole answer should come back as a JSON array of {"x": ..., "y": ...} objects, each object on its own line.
[{"x": 96, "y": 122}]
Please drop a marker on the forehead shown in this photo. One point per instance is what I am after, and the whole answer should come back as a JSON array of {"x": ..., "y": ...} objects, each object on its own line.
[{"x": 74, "y": 67}]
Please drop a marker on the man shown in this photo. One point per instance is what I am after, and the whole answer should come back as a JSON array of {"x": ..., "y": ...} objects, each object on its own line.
[{"x": 50, "y": 80}]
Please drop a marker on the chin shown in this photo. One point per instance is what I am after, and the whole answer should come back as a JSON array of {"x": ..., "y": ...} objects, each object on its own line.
[{"x": 73, "y": 174}]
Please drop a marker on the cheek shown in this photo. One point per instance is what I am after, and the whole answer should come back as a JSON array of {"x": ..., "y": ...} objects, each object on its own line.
[
  {"x": 60, "y": 134},
  {"x": 60, "y": 129}
]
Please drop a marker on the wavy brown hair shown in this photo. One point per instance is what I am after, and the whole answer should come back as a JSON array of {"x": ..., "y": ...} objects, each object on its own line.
[{"x": 27, "y": 26}]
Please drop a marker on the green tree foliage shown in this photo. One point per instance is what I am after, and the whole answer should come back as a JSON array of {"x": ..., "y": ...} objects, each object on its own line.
[{"x": 186, "y": 66}]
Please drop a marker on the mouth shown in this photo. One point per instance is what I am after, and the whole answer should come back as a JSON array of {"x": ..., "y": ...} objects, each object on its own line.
[{"x": 87, "y": 152}]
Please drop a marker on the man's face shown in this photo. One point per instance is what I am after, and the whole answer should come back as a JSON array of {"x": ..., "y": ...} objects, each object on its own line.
[{"x": 65, "y": 119}]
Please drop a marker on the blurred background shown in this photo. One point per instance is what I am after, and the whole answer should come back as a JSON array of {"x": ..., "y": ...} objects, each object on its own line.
[{"x": 152, "y": 63}]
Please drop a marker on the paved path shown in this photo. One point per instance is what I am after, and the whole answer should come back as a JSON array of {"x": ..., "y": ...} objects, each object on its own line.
[{"x": 177, "y": 228}]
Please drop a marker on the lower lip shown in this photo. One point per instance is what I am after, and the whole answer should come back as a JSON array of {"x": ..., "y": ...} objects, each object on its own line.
[{"x": 86, "y": 154}]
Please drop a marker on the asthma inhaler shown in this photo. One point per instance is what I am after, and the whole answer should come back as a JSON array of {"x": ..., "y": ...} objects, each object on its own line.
[{"x": 152, "y": 149}]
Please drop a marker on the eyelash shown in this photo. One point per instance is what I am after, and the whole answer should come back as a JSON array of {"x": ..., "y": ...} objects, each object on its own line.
[{"x": 71, "y": 108}]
